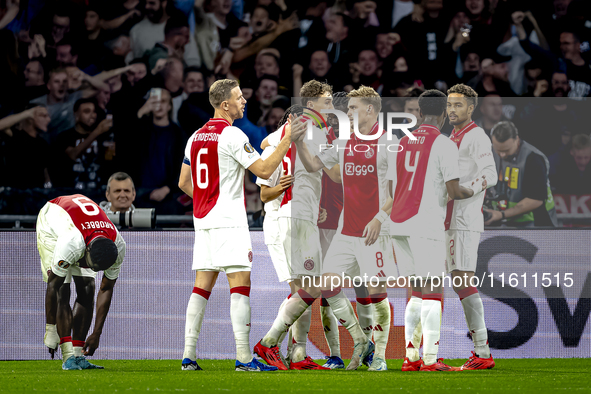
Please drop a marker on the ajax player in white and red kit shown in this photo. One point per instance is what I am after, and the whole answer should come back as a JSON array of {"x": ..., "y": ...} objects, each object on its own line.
[
  {"x": 361, "y": 247},
  {"x": 424, "y": 174},
  {"x": 75, "y": 238},
  {"x": 464, "y": 220},
  {"x": 212, "y": 173}
]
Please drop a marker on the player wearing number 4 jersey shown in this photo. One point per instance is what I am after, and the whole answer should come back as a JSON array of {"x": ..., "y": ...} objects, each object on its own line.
[
  {"x": 361, "y": 247},
  {"x": 75, "y": 239},
  {"x": 212, "y": 174},
  {"x": 424, "y": 174},
  {"x": 464, "y": 220}
]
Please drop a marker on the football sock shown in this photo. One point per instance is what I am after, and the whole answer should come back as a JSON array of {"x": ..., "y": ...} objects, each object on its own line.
[
  {"x": 291, "y": 311},
  {"x": 474, "y": 312},
  {"x": 284, "y": 333},
  {"x": 343, "y": 310},
  {"x": 431, "y": 322},
  {"x": 240, "y": 315},
  {"x": 412, "y": 326},
  {"x": 365, "y": 313},
  {"x": 381, "y": 324},
  {"x": 300, "y": 330},
  {"x": 78, "y": 347},
  {"x": 331, "y": 329},
  {"x": 194, "y": 319},
  {"x": 66, "y": 347}
]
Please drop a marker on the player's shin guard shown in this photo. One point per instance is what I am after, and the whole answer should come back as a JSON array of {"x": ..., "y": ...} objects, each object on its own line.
[
  {"x": 66, "y": 347},
  {"x": 291, "y": 311},
  {"x": 365, "y": 312},
  {"x": 382, "y": 317},
  {"x": 194, "y": 319},
  {"x": 474, "y": 312},
  {"x": 431, "y": 321},
  {"x": 343, "y": 310},
  {"x": 240, "y": 315},
  {"x": 300, "y": 331},
  {"x": 412, "y": 326},
  {"x": 331, "y": 329}
]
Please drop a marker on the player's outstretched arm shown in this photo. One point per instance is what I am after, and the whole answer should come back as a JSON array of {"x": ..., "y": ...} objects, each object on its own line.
[
  {"x": 185, "y": 183},
  {"x": 103, "y": 303}
]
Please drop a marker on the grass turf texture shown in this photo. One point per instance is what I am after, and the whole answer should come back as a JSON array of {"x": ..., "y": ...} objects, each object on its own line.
[{"x": 525, "y": 375}]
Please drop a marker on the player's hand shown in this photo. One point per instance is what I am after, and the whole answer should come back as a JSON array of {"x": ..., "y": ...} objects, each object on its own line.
[
  {"x": 297, "y": 70},
  {"x": 51, "y": 339},
  {"x": 484, "y": 183},
  {"x": 517, "y": 17},
  {"x": 104, "y": 126},
  {"x": 541, "y": 87},
  {"x": 298, "y": 129},
  {"x": 495, "y": 216},
  {"x": 372, "y": 231},
  {"x": 286, "y": 181},
  {"x": 91, "y": 344},
  {"x": 322, "y": 215}
]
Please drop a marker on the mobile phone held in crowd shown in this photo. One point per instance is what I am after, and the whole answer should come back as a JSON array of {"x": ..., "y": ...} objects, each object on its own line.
[{"x": 156, "y": 92}]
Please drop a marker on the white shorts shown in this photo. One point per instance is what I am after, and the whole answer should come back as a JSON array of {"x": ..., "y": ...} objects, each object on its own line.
[
  {"x": 222, "y": 249},
  {"x": 461, "y": 250},
  {"x": 46, "y": 248},
  {"x": 422, "y": 257},
  {"x": 349, "y": 256},
  {"x": 279, "y": 260},
  {"x": 326, "y": 236},
  {"x": 301, "y": 241}
]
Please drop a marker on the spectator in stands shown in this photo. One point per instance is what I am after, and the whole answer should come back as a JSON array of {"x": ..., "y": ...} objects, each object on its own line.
[
  {"x": 137, "y": 72},
  {"x": 572, "y": 173},
  {"x": 263, "y": 98},
  {"x": 577, "y": 69},
  {"x": 525, "y": 188},
  {"x": 26, "y": 154},
  {"x": 120, "y": 193},
  {"x": 157, "y": 151},
  {"x": 311, "y": 25},
  {"x": 176, "y": 37},
  {"x": 150, "y": 30},
  {"x": 66, "y": 53},
  {"x": 79, "y": 151},
  {"x": 266, "y": 63},
  {"x": 366, "y": 71},
  {"x": 340, "y": 43},
  {"x": 35, "y": 85},
  {"x": 492, "y": 78},
  {"x": 411, "y": 106},
  {"x": 491, "y": 109}
]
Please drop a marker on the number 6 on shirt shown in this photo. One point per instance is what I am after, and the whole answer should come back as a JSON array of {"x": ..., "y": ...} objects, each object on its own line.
[{"x": 202, "y": 167}]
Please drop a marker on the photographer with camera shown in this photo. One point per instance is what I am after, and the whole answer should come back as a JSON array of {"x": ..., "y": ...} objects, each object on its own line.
[
  {"x": 524, "y": 195},
  {"x": 120, "y": 194}
]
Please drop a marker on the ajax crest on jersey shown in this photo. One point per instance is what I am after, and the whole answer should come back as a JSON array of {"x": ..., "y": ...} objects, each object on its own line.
[
  {"x": 309, "y": 264},
  {"x": 250, "y": 256},
  {"x": 369, "y": 154}
]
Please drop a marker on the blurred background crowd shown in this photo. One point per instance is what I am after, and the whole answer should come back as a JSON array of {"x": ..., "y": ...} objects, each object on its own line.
[{"x": 89, "y": 88}]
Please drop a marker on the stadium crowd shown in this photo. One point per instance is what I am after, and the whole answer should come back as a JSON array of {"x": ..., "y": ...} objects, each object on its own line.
[{"x": 91, "y": 88}]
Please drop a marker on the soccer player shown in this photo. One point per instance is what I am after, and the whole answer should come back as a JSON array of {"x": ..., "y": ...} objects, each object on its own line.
[
  {"x": 361, "y": 247},
  {"x": 424, "y": 174},
  {"x": 212, "y": 173},
  {"x": 75, "y": 238},
  {"x": 298, "y": 218},
  {"x": 464, "y": 220}
]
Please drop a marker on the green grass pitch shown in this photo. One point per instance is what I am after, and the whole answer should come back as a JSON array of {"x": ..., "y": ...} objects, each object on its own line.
[{"x": 126, "y": 376}]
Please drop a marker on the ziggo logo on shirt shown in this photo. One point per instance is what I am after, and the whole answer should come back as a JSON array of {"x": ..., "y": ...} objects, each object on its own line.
[{"x": 352, "y": 169}]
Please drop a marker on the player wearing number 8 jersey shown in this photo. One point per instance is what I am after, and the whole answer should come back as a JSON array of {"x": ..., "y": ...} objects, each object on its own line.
[
  {"x": 464, "y": 220},
  {"x": 75, "y": 238},
  {"x": 424, "y": 174},
  {"x": 212, "y": 173}
]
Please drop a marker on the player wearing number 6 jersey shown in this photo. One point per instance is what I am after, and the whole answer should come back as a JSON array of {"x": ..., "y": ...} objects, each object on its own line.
[
  {"x": 212, "y": 173},
  {"x": 75, "y": 238},
  {"x": 424, "y": 174},
  {"x": 464, "y": 220}
]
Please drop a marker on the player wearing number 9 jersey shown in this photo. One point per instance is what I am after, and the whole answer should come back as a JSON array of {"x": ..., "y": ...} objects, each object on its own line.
[
  {"x": 424, "y": 174},
  {"x": 212, "y": 174},
  {"x": 75, "y": 238}
]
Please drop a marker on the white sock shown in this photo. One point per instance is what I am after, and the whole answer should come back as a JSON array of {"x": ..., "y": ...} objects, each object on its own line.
[
  {"x": 381, "y": 327},
  {"x": 284, "y": 333},
  {"x": 240, "y": 315},
  {"x": 300, "y": 331},
  {"x": 67, "y": 349},
  {"x": 194, "y": 320},
  {"x": 343, "y": 310},
  {"x": 331, "y": 330},
  {"x": 412, "y": 322},
  {"x": 474, "y": 312},
  {"x": 78, "y": 351},
  {"x": 365, "y": 314},
  {"x": 287, "y": 315},
  {"x": 431, "y": 321}
]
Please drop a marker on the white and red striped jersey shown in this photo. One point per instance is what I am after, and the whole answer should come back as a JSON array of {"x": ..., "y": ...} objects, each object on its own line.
[
  {"x": 419, "y": 175},
  {"x": 69, "y": 224},
  {"x": 364, "y": 165},
  {"x": 271, "y": 207},
  {"x": 218, "y": 154},
  {"x": 302, "y": 199},
  {"x": 331, "y": 197},
  {"x": 476, "y": 159}
]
